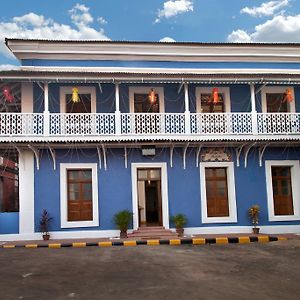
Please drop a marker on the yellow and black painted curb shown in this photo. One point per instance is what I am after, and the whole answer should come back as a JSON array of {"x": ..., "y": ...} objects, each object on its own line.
[{"x": 152, "y": 242}]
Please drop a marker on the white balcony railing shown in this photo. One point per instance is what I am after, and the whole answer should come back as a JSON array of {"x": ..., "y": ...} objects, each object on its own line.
[
  {"x": 82, "y": 124},
  {"x": 21, "y": 124},
  {"x": 150, "y": 124},
  {"x": 221, "y": 123},
  {"x": 278, "y": 123}
]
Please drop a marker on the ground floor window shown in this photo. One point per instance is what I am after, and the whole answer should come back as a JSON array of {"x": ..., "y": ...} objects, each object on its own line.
[
  {"x": 282, "y": 188},
  {"x": 9, "y": 183},
  {"x": 217, "y": 192},
  {"x": 79, "y": 195}
]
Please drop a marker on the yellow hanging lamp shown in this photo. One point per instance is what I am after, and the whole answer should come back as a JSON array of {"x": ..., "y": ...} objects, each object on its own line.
[{"x": 75, "y": 95}]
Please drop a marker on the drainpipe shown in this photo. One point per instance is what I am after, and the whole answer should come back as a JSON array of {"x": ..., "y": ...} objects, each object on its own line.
[
  {"x": 187, "y": 113},
  {"x": 253, "y": 110},
  {"x": 117, "y": 112}
]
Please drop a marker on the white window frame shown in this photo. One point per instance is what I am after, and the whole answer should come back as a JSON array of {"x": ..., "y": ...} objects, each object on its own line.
[
  {"x": 64, "y": 90},
  {"x": 273, "y": 90},
  {"x": 64, "y": 196},
  {"x": 145, "y": 90},
  {"x": 208, "y": 90},
  {"x": 232, "y": 218},
  {"x": 295, "y": 177}
]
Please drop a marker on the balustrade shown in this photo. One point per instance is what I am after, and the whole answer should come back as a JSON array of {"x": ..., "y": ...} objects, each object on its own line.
[{"x": 156, "y": 124}]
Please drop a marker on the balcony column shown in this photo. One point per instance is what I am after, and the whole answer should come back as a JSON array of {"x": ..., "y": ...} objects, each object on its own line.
[
  {"x": 187, "y": 112},
  {"x": 253, "y": 110},
  {"x": 46, "y": 110},
  {"x": 117, "y": 112}
]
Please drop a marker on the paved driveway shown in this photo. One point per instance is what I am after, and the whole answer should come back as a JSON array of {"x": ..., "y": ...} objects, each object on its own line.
[{"x": 234, "y": 271}]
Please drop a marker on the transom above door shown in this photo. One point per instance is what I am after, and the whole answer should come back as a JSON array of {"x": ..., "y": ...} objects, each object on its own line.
[
  {"x": 140, "y": 102},
  {"x": 206, "y": 104},
  {"x": 86, "y": 97}
]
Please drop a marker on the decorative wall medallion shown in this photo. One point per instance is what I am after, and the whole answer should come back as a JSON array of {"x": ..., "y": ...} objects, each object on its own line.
[{"x": 215, "y": 154}]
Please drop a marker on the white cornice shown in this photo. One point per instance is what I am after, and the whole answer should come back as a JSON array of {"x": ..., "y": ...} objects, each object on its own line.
[
  {"x": 163, "y": 70},
  {"x": 173, "y": 52}
]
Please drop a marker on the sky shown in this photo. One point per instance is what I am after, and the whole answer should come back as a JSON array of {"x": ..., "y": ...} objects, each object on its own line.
[{"x": 149, "y": 20}]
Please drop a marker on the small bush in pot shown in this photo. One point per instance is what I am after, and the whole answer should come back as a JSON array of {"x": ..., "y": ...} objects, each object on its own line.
[
  {"x": 253, "y": 212},
  {"x": 123, "y": 219},
  {"x": 179, "y": 220},
  {"x": 45, "y": 221}
]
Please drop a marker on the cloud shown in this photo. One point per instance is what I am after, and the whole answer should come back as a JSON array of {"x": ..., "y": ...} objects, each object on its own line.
[
  {"x": 36, "y": 26},
  {"x": 239, "y": 36},
  {"x": 80, "y": 15},
  {"x": 167, "y": 39},
  {"x": 102, "y": 21},
  {"x": 173, "y": 8},
  {"x": 8, "y": 67},
  {"x": 281, "y": 28},
  {"x": 266, "y": 8}
]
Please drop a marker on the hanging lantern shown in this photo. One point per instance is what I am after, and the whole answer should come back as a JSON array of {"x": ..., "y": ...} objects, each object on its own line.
[
  {"x": 215, "y": 95},
  {"x": 7, "y": 94},
  {"x": 75, "y": 95},
  {"x": 152, "y": 96},
  {"x": 288, "y": 95}
]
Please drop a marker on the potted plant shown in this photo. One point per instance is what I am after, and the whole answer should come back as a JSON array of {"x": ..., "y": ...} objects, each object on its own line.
[
  {"x": 123, "y": 219},
  {"x": 45, "y": 221},
  {"x": 179, "y": 220},
  {"x": 254, "y": 215}
]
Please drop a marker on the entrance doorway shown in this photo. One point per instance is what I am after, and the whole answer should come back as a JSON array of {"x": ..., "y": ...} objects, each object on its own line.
[{"x": 149, "y": 196}]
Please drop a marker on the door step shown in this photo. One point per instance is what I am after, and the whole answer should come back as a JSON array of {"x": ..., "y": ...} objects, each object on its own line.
[{"x": 152, "y": 233}]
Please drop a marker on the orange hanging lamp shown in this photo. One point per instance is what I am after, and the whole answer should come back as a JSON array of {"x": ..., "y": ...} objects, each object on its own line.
[
  {"x": 215, "y": 95},
  {"x": 75, "y": 95},
  {"x": 288, "y": 95},
  {"x": 152, "y": 96}
]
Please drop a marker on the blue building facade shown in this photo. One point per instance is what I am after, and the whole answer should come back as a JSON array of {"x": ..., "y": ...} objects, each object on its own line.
[{"x": 93, "y": 128}]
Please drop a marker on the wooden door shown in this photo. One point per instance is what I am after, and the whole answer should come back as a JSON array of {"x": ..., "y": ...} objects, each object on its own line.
[
  {"x": 80, "y": 107},
  {"x": 80, "y": 207},
  {"x": 282, "y": 191},
  {"x": 216, "y": 192},
  {"x": 276, "y": 103}
]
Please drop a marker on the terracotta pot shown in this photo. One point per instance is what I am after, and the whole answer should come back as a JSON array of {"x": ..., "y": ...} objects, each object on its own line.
[
  {"x": 255, "y": 230},
  {"x": 180, "y": 231},
  {"x": 46, "y": 237},
  {"x": 123, "y": 234}
]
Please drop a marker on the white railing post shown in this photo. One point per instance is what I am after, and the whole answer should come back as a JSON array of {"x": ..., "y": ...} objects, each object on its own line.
[
  {"x": 117, "y": 112},
  {"x": 187, "y": 113},
  {"x": 46, "y": 110},
  {"x": 253, "y": 110}
]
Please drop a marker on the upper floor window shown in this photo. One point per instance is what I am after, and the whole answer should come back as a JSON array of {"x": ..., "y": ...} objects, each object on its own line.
[
  {"x": 86, "y": 99},
  {"x": 146, "y": 99},
  {"x": 274, "y": 100},
  {"x": 206, "y": 103}
]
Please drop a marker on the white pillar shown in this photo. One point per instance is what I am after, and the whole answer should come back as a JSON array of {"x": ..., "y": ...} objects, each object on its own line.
[
  {"x": 117, "y": 112},
  {"x": 26, "y": 194},
  {"x": 253, "y": 109},
  {"x": 187, "y": 109},
  {"x": 46, "y": 110}
]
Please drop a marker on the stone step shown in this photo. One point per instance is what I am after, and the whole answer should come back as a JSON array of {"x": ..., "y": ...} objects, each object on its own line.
[
  {"x": 154, "y": 233},
  {"x": 147, "y": 228}
]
